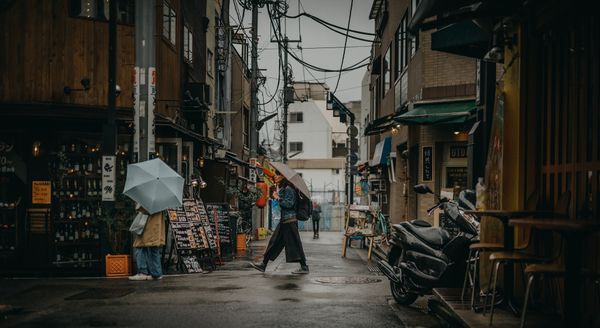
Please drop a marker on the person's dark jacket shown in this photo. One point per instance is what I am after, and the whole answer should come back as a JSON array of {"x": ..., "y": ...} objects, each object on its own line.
[{"x": 316, "y": 213}]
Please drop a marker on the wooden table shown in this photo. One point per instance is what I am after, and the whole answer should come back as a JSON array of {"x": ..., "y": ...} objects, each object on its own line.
[
  {"x": 573, "y": 232},
  {"x": 509, "y": 244}
]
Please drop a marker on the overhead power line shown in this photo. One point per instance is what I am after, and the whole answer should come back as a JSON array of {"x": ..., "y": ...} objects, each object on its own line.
[
  {"x": 345, "y": 44},
  {"x": 324, "y": 22}
]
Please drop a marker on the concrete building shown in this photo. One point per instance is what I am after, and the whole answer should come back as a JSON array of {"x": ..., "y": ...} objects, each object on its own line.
[
  {"x": 422, "y": 106},
  {"x": 317, "y": 142}
]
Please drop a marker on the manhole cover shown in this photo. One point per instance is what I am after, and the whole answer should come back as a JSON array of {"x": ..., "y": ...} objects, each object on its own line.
[
  {"x": 98, "y": 294},
  {"x": 347, "y": 280}
]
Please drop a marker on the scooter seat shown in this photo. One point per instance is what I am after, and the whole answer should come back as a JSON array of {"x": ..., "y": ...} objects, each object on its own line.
[{"x": 434, "y": 236}]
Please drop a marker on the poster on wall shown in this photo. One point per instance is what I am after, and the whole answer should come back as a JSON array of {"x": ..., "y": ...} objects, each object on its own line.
[
  {"x": 108, "y": 178},
  {"x": 41, "y": 192},
  {"x": 427, "y": 163},
  {"x": 493, "y": 171}
]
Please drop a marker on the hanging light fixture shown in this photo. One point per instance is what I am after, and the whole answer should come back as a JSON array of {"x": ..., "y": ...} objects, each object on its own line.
[{"x": 36, "y": 148}]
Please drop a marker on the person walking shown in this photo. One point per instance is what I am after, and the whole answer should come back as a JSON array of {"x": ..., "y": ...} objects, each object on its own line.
[
  {"x": 316, "y": 217},
  {"x": 147, "y": 247},
  {"x": 286, "y": 233}
]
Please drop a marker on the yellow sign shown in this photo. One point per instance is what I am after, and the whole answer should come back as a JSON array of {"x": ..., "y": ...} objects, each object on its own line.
[{"x": 41, "y": 192}]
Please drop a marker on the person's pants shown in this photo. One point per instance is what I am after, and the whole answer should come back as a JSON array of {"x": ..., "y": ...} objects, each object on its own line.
[
  {"x": 148, "y": 261},
  {"x": 286, "y": 236},
  {"x": 316, "y": 226}
]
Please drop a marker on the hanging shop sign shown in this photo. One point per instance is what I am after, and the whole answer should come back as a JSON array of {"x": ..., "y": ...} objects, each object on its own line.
[
  {"x": 151, "y": 101},
  {"x": 108, "y": 178},
  {"x": 458, "y": 151},
  {"x": 427, "y": 163},
  {"x": 41, "y": 192}
]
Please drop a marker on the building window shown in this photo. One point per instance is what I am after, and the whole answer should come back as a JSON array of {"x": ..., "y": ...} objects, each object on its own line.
[
  {"x": 99, "y": 9},
  {"x": 296, "y": 146},
  {"x": 403, "y": 46},
  {"x": 169, "y": 27},
  {"x": 188, "y": 44},
  {"x": 246, "y": 127},
  {"x": 296, "y": 117},
  {"x": 387, "y": 74},
  {"x": 209, "y": 62}
]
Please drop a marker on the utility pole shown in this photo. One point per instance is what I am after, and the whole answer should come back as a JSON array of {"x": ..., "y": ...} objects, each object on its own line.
[
  {"x": 254, "y": 84},
  {"x": 110, "y": 128},
  {"x": 144, "y": 79},
  {"x": 286, "y": 100}
]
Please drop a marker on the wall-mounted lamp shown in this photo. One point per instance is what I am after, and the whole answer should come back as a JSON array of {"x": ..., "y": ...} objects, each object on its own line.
[
  {"x": 85, "y": 83},
  {"x": 456, "y": 133},
  {"x": 199, "y": 183},
  {"x": 495, "y": 55},
  {"x": 36, "y": 148},
  {"x": 201, "y": 162}
]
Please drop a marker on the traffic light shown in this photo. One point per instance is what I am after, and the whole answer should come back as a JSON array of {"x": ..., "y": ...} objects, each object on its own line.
[{"x": 339, "y": 109}]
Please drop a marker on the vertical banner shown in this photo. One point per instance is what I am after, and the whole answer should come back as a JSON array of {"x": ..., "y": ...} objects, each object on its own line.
[
  {"x": 136, "y": 112},
  {"x": 252, "y": 175},
  {"x": 108, "y": 178},
  {"x": 151, "y": 103},
  {"x": 427, "y": 163}
]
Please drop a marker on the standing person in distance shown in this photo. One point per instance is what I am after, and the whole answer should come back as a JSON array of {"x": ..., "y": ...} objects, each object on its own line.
[
  {"x": 147, "y": 247},
  {"x": 286, "y": 233},
  {"x": 316, "y": 217}
]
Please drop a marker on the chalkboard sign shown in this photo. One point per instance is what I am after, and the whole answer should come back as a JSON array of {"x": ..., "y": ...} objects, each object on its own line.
[
  {"x": 427, "y": 163},
  {"x": 456, "y": 176},
  {"x": 192, "y": 233},
  {"x": 219, "y": 216}
]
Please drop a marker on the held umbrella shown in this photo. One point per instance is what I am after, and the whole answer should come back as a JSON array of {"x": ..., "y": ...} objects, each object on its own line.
[
  {"x": 292, "y": 176},
  {"x": 154, "y": 185}
]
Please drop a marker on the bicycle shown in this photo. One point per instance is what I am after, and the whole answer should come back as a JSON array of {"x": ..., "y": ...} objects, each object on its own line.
[{"x": 383, "y": 225}]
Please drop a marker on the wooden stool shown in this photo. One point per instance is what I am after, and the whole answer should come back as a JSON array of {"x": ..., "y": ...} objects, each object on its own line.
[
  {"x": 475, "y": 251},
  {"x": 505, "y": 257},
  {"x": 555, "y": 270}
]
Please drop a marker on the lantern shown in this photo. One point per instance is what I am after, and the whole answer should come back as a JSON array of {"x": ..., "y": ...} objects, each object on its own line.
[{"x": 264, "y": 190}]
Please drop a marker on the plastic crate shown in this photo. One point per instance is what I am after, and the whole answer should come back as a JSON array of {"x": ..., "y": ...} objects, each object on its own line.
[{"x": 118, "y": 265}]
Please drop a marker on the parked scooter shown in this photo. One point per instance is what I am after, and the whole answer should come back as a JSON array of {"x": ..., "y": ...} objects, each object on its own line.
[{"x": 423, "y": 257}]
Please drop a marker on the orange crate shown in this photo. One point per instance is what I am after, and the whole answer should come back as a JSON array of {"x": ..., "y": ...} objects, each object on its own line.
[{"x": 118, "y": 265}]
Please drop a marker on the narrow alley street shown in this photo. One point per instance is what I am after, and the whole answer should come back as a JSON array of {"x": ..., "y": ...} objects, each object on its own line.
[{"x": 337, "y": 293}]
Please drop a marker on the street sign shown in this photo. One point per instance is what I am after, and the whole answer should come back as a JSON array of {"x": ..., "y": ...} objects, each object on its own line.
[
  {"x": 352, "y": 131},
  {"x": 352, "y": 158}
]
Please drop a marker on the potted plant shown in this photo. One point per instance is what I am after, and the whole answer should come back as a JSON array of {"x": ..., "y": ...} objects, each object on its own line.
[{"x": 115, "y": 222}]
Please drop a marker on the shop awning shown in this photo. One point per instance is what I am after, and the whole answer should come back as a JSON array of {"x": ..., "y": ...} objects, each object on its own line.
[
  {"x": 232, "y": 157},
  {"x": 382, "y": 151},
  {"x": 438, "y": 113},
  {"x": 163, "y": 120},
  {"x": 380, "y": 125},
  {"x": 463, "y": 38}
]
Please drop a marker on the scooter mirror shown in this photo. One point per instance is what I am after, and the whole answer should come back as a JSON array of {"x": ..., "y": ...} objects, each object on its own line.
[{"x": 422, "y": 189}]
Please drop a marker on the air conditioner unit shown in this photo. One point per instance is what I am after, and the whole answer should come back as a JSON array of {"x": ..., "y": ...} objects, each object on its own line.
[{"x": 220, "y": 153}]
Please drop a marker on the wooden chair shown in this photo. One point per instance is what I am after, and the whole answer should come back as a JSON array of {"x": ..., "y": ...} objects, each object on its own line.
[
  {"x": 476, "y": 249},
  {"x": 551, "y": 270},
  {"x": 520, "y": 257}
]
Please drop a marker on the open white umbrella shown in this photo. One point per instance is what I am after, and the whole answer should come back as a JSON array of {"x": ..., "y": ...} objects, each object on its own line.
[
  {"x": 154, "y": 185},
  {"x": 292, "y": 176}
]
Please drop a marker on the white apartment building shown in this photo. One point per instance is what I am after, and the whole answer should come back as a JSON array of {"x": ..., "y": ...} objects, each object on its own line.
[{"x": 317, "y": 143}]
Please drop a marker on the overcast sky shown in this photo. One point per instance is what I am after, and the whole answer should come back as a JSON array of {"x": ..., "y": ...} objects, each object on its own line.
[{"x": 314, "y": 37}]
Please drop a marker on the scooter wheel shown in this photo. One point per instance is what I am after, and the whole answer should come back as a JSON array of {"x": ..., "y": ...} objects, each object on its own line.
[{"x": 401, "y": 295}]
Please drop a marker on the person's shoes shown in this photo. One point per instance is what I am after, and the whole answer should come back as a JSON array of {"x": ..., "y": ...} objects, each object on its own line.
[
  {"x": 315, "y": 237},
  {"x": 140, "y": 277},
  {"x": 259, "y": 266},
  {"x": 302, "y": 270},
  {"x": 157, "y": 278}
]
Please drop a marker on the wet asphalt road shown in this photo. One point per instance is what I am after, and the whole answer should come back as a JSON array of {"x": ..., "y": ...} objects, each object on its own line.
[{"x": 337, "y": 293}]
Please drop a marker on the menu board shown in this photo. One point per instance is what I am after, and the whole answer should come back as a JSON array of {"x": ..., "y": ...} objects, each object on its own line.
[
  {"x": 187, "y": 228},
  {"x": 219, "y": 217}
]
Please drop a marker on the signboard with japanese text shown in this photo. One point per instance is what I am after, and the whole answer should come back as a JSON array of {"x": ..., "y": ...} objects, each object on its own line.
[
  {"x": 427, "y": 163},
  {"x": 151, "y": 101},
  {"x": 108, "y": 178},
  {"x": 41, "y": 192}
]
